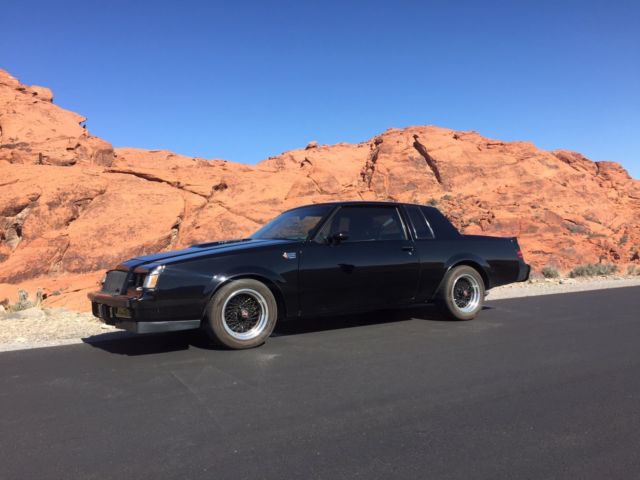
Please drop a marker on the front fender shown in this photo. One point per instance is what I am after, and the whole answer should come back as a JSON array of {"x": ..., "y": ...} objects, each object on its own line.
[
  {"x": 220, "y": 279},
  {"x": 276, "y": 282}
]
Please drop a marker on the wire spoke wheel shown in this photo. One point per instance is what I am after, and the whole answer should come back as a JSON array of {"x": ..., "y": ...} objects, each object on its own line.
[
  {"x": 245, "y": 314},
  {"x": 465, "y": 292}
]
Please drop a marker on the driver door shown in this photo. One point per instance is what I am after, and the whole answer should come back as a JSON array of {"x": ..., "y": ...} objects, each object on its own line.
[{"x": 361, "y": 259}]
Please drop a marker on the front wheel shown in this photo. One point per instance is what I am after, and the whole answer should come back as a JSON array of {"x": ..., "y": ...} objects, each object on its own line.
[
  {"x": 242, "y": 314},
  {"x": 462, "y": 293}
]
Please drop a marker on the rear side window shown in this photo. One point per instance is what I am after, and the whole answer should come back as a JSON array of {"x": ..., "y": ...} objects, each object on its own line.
[{"x": 420, "y": 226}]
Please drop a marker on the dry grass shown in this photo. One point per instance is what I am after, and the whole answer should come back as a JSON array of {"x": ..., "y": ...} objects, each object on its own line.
[
  {"x": 633, "y": 270},
  {"x": 550, "y": 272},
  {"x": 593, "y": 270}
]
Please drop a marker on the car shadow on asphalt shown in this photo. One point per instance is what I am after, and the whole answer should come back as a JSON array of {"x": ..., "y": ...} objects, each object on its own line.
[
  {"x": 124, "y": 343},
  {"x": 320, "y": 324}
]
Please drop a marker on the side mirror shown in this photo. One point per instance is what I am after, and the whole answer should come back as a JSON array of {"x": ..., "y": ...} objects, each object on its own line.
[{"x": 338, "y": 238}]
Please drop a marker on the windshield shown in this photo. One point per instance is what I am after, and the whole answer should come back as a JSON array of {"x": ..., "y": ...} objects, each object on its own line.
[{"x": 294, "y": 224}]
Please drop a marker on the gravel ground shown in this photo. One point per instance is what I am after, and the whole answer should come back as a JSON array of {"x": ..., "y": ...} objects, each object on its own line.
[
  {"x": 45, "y": 327},
  {"x": 560, "y": 285},
  {"x": 36, "y": 327}
]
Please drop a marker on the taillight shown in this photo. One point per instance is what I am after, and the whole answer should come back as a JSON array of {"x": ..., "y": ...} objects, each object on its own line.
[{"x": 514, "y": 240}]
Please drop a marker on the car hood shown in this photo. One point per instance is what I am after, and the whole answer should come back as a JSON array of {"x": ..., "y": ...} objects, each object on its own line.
[{"x": 203, "y": 249}]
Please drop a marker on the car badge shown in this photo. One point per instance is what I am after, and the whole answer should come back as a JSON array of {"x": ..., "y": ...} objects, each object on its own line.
[{"x": 289, "y": 255}]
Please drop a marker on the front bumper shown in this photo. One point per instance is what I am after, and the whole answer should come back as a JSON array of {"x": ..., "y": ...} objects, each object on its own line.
[
  {"x": 157, "y": 327},
  {"x": 137, "y": 315}
]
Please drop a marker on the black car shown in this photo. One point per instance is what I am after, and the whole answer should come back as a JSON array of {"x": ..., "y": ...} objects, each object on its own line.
[{"x": 322, "y": 259}]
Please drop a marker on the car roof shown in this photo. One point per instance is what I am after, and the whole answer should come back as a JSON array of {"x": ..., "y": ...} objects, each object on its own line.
[{"x": 360, "y": 203}]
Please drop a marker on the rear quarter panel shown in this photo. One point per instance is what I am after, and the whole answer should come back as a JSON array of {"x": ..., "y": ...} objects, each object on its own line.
[
  {"x": 498, "y": 253},
  {"x": 495, "y": 258}
]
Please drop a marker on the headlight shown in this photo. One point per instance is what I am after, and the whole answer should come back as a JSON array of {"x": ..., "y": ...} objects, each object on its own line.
[{"x": 151, "y": 280}]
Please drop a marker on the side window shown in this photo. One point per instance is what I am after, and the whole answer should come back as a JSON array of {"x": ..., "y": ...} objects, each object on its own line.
[
  {"x": 364, "y": 224},
  {"x": 420, "y": 225}
]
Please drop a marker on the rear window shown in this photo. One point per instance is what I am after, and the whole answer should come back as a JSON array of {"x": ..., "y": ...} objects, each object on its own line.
[
  {"x": 440, "y": 224},
  {"x": 421, "y": 228}
]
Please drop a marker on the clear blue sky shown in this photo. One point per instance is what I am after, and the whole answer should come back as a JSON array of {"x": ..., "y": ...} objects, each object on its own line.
[{"x": 244, "y": 80}]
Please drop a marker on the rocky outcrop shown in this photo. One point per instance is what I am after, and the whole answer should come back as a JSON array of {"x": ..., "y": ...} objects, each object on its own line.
[
  {"x": 35, "y": 131},
  {"x": 71, "y": 205}
]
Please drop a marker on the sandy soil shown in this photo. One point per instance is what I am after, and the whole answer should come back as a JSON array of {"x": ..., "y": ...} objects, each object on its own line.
[{"x": 35, "y": 327}]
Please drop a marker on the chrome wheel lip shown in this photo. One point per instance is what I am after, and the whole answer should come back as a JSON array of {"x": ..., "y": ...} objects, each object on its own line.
[
  {"x": 475, "y": 295},
  {"x": 260, "y": 324}
]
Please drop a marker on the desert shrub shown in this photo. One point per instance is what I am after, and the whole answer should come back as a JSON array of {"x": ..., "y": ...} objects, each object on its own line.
[
  {"x": 596, "y": 235},
  {"x": 550, "y": 272},
  {"x": 623, "y": 240},
  {"x": 592, "y": 218},
  {"x": 432, "y": 202},
  {"x": 633, "y": 270},
  {"x": 575, "y": 228},
  {"x": 593, "y": 269},
  {"x": 25, "y": 303}
]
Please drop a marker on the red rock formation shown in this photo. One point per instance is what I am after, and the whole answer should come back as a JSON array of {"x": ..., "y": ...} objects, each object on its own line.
[
  {"x": 35, "y": 131},
  {"x": 71, "y": 205}
]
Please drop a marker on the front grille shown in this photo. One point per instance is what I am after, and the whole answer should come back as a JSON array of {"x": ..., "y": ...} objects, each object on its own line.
[
  {"x": 115, "y": 283},
  {"x": 138, "y": 280}
]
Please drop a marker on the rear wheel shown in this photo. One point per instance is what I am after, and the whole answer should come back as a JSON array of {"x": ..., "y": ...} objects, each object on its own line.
[
  {"x": 462, "y": 293},
  {"x": 242, "y": 314}
]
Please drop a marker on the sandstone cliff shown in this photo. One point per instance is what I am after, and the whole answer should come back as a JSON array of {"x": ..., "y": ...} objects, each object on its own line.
[{"x": 71, "y": 205}]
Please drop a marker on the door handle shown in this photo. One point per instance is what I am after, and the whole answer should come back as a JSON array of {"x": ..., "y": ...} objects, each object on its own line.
[{"x": 408, "y": 248}]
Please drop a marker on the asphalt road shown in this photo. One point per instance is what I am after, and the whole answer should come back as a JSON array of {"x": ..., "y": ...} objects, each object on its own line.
[{"x": 542, "y": 387}]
